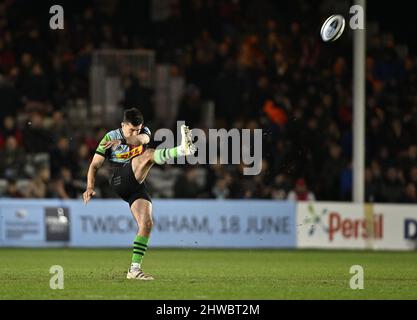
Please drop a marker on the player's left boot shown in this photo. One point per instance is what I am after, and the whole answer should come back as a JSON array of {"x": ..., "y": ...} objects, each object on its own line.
[{"x": 138, "y": 275}]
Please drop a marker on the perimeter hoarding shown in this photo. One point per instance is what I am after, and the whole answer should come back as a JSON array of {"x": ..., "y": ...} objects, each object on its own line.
[
  {"x": 356, "y": 226},
  {"x": 211, "y": 224},
  {"x": 177, "y": 223}
]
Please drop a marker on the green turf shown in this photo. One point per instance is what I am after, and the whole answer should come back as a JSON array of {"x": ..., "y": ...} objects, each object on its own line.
[{"x": 208, "y": 274}]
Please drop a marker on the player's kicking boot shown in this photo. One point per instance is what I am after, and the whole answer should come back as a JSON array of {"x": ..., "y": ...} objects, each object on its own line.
[{"x": 187, "y": 145}]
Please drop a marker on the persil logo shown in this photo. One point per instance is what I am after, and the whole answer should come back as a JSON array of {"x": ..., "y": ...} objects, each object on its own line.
[
  {"x": 333, "y": 223},
  {"x": 355, "y": 228}
]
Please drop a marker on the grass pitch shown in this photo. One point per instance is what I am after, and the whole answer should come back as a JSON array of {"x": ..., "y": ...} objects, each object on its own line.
[{"x": 208, "y": 274}]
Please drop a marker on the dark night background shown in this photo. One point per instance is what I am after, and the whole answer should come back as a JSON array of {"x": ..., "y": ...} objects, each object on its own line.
[{"x": 260, "y": 63}]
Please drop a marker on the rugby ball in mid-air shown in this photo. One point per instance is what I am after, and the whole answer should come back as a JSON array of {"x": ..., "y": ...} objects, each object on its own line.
[{"x": 332, "y": 28}]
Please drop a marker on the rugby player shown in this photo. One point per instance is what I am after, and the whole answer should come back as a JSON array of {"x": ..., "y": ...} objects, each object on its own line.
[{"x": 126, "y": 150}]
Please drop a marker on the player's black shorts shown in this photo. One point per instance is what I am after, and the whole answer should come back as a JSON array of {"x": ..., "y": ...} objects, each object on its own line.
[{"x": 124, "y": 183}]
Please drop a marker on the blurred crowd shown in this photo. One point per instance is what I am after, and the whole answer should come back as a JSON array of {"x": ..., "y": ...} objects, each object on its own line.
[{"x": 260, "y": 62}]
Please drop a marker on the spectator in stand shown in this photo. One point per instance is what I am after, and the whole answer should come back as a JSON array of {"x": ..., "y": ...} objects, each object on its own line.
[
  {"x": 301, "y": 192},
  {"x": 410, "y": 194},
  {"x": 393, "y": 187},
  {"x": 23, "y": 71},
  {"x": 72, "y": 187},
  {"x": 410, "y": 159},
  {"x": 83, "y": 162},
  {"x": 91, "y": 138},
  {"x": 38, "y": 187},
  {"x": 10, "y": 97},
  {"x": 413, "y": 174},
  {"x": 214, "y": 173},
  {"x": 35, "y": 85},
  {"x": 280, "y": 187},
  {"x": 59, "y": 127},
  {"x": 12, "y": 159},
  {"x": 190, "y": 108},
  {"x": 397, "y": 138},
  {"x": 331, "y": 171},
  {"x": 221, "y": 189},
  {"x": 12, "y": 191},
  {"x": 62, "y": 156},
  {"x": 10, "y": 129},
  {"x": 7, "y": 56},
  {"x": 56, "y": 188},
  {"x": 372, "y": 188},
  {"x": 137, "y": 95},
  {"x": 186, "y": 185},
  {"x": 36, "y": 139}
]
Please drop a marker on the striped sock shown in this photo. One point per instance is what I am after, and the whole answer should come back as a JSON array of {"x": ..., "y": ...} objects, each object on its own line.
[
  {"x": 139, "y": 248},
  {"x": 163, "y": 155}
]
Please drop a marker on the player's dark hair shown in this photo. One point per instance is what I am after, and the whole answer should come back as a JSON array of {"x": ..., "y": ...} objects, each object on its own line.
[{"x": 133, "y": 116}]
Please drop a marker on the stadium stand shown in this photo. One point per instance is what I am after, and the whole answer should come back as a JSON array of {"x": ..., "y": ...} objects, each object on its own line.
[{"x": 260, "y": 66}]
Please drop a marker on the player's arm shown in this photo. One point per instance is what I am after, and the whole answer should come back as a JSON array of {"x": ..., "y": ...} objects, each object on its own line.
[
  {"x": 136, "y": 140},
  {"x": 95, "y": 165}
]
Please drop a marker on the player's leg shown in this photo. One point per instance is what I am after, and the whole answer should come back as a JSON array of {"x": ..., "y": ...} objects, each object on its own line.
[
  {"x": 143, "y": 163},
  {"x": 142, "y": 208},
  {"x": 186, "y": 148},
  {"x": 142, "y": 212}
]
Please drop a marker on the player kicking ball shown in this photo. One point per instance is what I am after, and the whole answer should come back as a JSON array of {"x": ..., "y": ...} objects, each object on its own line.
[{"x": 126, "y": 150}]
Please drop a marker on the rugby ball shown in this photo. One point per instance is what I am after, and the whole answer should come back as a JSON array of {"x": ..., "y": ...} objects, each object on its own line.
[{"x": 332, "y": 28}]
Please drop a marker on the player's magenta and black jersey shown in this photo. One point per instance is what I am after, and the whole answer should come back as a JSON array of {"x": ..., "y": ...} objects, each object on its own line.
[{"x": 123, "y": 179}]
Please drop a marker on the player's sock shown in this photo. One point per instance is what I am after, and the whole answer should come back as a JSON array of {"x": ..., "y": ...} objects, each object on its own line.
[
  {"x": 186, "y": 147},
  {"x": 161, "y": 156},
  {"x": 139, "y": 249}
]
